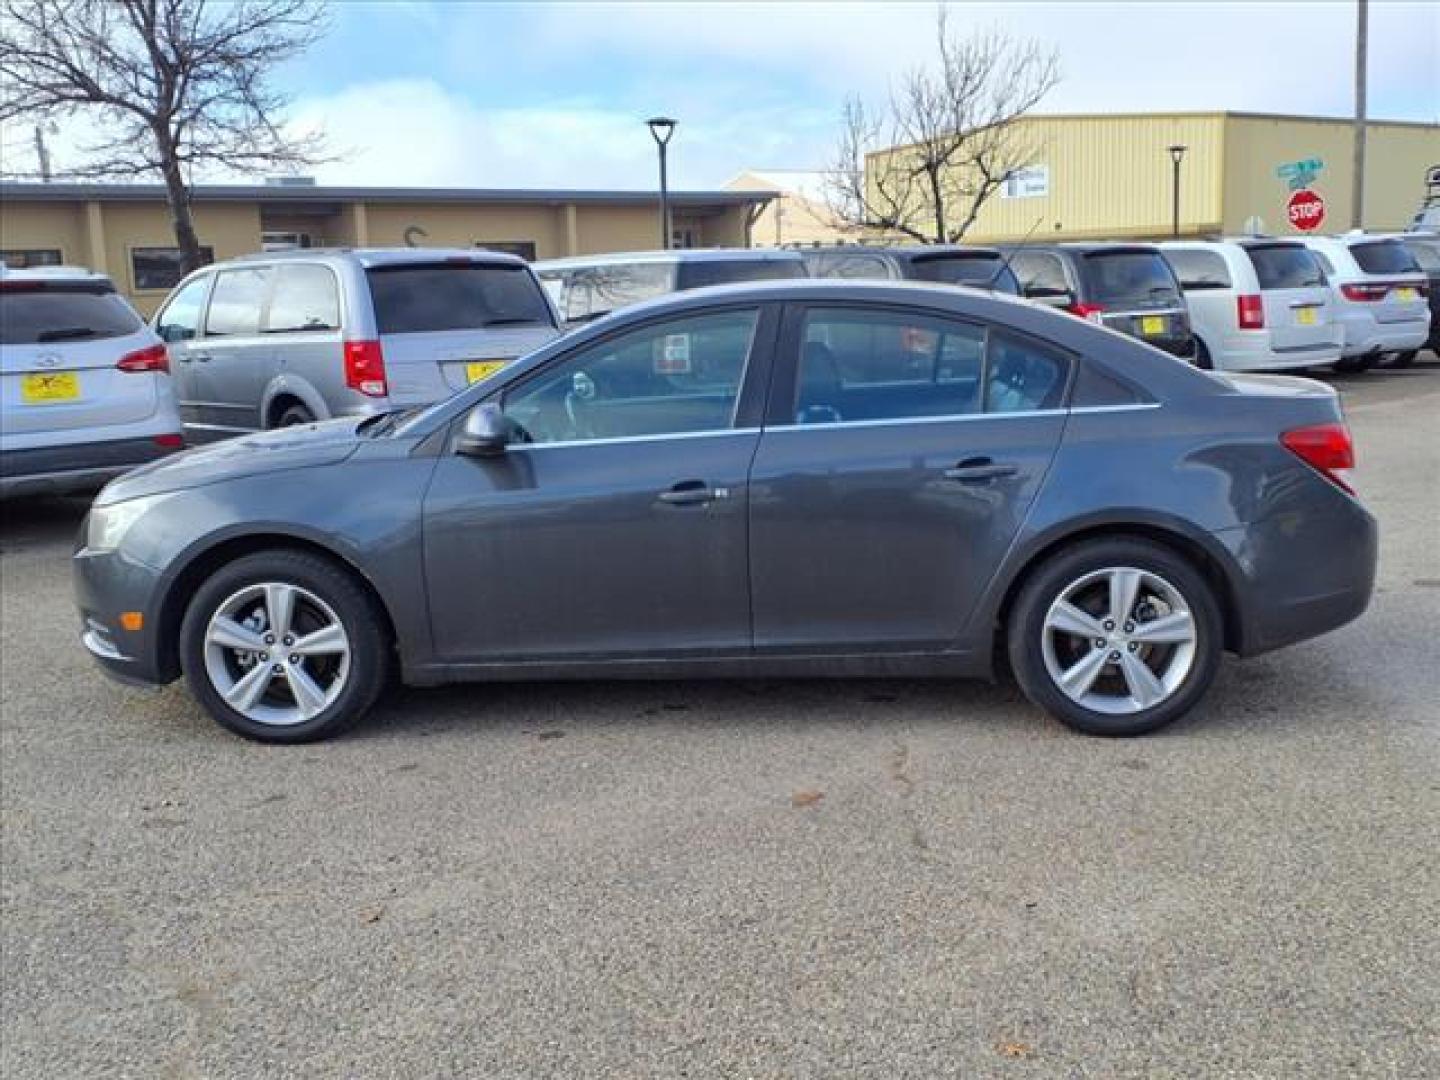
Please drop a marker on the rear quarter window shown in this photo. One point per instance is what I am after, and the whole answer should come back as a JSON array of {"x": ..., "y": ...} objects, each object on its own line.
[
  {"x": 1199, "y": 270},
  {"x": 1124, "y": 278},
  {"x": 1384, "y": 257},
  {"x": 1426, "y": 254},
  {"x": 1286, "y": 266},
  {"x": 697, "y": 275},
  {"x": 986, "y": 271},
  {"x": 55, "y": 314},
  {"x": 421, "y": 297}
]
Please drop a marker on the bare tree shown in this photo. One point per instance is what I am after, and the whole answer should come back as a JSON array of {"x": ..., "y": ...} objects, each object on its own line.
[
  {"x": 174, "y": 85},
  {"x": 946, "y": 140}
]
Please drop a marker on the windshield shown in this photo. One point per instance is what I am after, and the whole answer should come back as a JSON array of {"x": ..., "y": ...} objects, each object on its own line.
[
  {"x": 1285, "y": 266},
  {"x": 983, "y": 269},
  {"x": 1384, "y": 257},
  {"x": 1123, "y": 278},
  {"x": 48, "y": 313},
  {"x": 697, "y": 275},
  {"x": 419, "y": 297}
]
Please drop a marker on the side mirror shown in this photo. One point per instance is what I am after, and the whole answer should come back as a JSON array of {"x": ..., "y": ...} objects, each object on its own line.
[{"x": 485, "y": 432}]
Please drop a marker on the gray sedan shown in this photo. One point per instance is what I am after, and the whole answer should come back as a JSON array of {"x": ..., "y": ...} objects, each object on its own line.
[{"x": 790, "y": 478}]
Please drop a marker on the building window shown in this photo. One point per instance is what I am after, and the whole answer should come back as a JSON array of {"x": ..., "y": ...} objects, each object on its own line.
[
  {"x": 283, "y": 241},
  {"x": 20, "y": 258},
  {"x": 161, "y": 267},
  {"x": 1030, "y": 182},
  {"x": 524, "y": 248}
]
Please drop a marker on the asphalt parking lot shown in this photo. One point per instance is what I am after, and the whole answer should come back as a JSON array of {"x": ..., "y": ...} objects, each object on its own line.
[{"x": 878, "y": 879}]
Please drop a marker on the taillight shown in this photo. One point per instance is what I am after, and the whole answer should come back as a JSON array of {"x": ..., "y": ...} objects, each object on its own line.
[
  {"x": 169, "y": 441},
  {"x": 365, "y": 368},
  {"x": 1326, "y": 448},
  {"x": 1365, "y": 292},
  {"x": 1251, "y": 312},
  {"x": 150, "y": 358},
  {"x": 1093, "y": 312}
]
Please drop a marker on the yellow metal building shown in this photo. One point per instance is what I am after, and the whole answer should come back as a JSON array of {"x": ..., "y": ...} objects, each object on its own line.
[
  {"x": 1103, "y": 176},
  {"x": 124, "y": 229}
]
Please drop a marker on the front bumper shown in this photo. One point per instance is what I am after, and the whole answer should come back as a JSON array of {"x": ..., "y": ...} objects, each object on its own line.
[
  {"x": 107, "y": 584},
  {"x": 77, "y": 467}
]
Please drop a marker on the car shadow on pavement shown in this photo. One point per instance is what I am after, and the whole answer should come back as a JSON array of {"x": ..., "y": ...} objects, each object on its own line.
[{"x": 32, "y": 522}]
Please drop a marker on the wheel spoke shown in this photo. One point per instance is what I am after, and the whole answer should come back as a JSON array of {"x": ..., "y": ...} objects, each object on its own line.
[
  {"x": 1145, "y": 689},
  {"x": 326, "y": 640},
  {"x": 229, "y": 633},
  {"x": 1124, "y": 591},
  {"x": 1078, "y": 678},
  {"x": 279, "y": 607},
  {"x": 1069, "y": 619},
  {"x": 247, "y": 690},
  {"x": 308, "y": 695},
  {"x": 1177, "y": 628}
]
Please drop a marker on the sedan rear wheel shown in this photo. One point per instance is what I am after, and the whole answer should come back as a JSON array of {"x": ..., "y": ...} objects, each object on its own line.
[
  {"x": 283, "y": 646},
  {"x": 1116, "y": 636}
]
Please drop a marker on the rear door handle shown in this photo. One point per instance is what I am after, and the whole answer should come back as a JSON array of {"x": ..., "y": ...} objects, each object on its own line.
[
  {"x": 979, "y": 470},
  {"x": 203, "y": 358},
  {"x": 691, "y": 492}
]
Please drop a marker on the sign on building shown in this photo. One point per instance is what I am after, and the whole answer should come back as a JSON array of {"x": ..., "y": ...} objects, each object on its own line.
[{"x": 1029, "y": 182}]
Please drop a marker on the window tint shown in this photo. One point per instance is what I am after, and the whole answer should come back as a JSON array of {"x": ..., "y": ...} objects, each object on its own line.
[
  {"x": 305, "y": 298},
  {"x": 1426, "y": 253},
  {"x": 592, "y": 291},
  {"x": 1199, "y": 269},
  {"x": 679, "y": 376},
  {"x": 419, "y": 297},
  {"x": 1022, "y": 377},
  {"x": 1285, "y": 266},
  {"x": 697, "y": 275},
  {"x": 1324, "y": 261},
  {"x": 1037, "y": 270},
  {"x": 1384, "y": 257},
  {"x": 162, "y": 267},
  {"x": 847, "y": 265},
  {"x": 181, "y": 318},
  {"x": 235, "y": 301},
  {"x": 59, "y": 313},
  {"x": 1126, "y": 278},
  {"x": 959, "y": 269}
]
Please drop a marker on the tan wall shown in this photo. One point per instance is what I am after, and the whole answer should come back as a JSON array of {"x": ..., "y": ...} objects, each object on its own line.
[
  {"x": 230, "y": 229},
  {"x": 1396, "y": 157},
  {"x": 39, "y": 225},
  {"x": 466, "y": 226},
  {"x": 791, "y": 218}
]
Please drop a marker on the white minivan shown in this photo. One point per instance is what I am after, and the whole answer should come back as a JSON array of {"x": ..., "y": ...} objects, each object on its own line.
[{"x": 1256, "y": 303}]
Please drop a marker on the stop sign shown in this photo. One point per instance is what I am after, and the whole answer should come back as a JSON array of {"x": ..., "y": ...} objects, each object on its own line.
[{"x": 1306, "y": 210}]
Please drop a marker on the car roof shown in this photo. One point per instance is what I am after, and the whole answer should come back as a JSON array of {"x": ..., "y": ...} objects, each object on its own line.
[
  {"x": 54, "y": 273},
  {"x": 384, "y": 256},
  {"x": 906, "y": 251},
  {"x": 676, "y": 256},
  {"x": 1083, "y": 247}
]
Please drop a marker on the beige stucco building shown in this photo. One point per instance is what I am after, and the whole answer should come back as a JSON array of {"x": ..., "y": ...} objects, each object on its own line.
[
  {"x": 124, "y": 229},
  {"x": 1103, "y": 176},
  {"x": 800, "y": 212}
]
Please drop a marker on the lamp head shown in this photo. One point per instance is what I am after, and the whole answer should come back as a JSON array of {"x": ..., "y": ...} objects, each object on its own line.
[
  {"x": 661, "y": 127},
  {"x": 1177, "y": 152}
]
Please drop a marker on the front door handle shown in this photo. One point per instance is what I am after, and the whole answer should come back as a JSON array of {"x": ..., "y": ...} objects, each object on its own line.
[
  {"x": 204, "y": 358},
  {"x": 691, "y": 492},
  {"x": 980, "y": 470}
]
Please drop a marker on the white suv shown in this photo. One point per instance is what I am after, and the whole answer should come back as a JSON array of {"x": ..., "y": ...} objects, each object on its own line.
[
  {"x": 1380, "y": 292},
  {"x": 1256, "y": 304},
  {"x": 85, "y": 388}
]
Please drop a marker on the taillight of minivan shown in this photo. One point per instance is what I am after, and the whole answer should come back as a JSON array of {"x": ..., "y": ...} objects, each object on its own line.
[
  {"x": 1250, "y": 310},
  {"x": 365, "y": 368}
]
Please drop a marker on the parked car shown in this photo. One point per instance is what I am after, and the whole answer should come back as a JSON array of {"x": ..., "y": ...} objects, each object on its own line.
[
  {"x": 286, "y": 338},
  {"x": 1379, "y": 291},
  {"x": 1127, "y": 287},
  {"x": 784, "y": 478},
  {"x": 1256, "y": 304},
  {"x": 586, "y": 287},
  {"x": 1425, "y": 249},
  {"x": 84, "y": 389},
  {"x": 948, "y": 264}
]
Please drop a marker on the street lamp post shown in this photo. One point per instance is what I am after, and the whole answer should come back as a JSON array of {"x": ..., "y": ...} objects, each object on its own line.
[
  {"x": 1176, "y": 153},
  {"x": 661, "y": 128}
]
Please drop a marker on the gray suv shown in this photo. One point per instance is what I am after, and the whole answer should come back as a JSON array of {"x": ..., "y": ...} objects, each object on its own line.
[{"x": 287, "y": 338}]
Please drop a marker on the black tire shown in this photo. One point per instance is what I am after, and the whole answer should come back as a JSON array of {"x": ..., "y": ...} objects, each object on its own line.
[
  {"x": 294, "y": 415},
  {"x": 1026, "y": 632},
  {"x": 1353, "y": 365},
  {"x": 1404, "y": 359},
  {"x": 1203, "y": 359},
  {"x": 369, "y": 665}
]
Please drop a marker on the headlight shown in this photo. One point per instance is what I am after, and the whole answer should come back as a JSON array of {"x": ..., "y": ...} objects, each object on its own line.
[{"x": 109, "y": 524}]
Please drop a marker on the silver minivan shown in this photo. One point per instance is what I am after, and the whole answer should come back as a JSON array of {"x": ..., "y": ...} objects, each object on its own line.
[{"x": 286, "y": 338}]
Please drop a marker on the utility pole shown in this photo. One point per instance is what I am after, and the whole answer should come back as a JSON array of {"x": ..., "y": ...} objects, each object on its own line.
[
  {"x": 43, "y": 153},
  {"x": 1362, "y": 47}
]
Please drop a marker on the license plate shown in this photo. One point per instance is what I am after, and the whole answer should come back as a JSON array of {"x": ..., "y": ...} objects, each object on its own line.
[
  {"x": 41, "y": 389},
  {"x": 477, "y": 370},
  {"x": 1407, "y": 294},
  {"x": 1152, "y": 325},
  {"x": 1305, "y": 316}
]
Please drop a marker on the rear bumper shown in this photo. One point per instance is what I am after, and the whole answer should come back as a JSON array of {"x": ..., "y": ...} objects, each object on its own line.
[
  {"x": 78, "y": 467},
  {"x": 1371, "y": 338},
  {"x": 1247, "y": 353}
]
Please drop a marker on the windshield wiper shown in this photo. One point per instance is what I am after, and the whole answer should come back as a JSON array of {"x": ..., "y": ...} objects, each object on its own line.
[
  {"x": 68, "y": 333},
  {"x": 527, "y": 321}
]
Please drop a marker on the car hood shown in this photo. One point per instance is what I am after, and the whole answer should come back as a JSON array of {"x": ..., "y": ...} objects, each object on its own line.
[{"x": 324, "y": 443}]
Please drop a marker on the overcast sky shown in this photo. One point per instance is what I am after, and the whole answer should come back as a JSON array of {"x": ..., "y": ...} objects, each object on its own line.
[{"x": 536, "y": 94}]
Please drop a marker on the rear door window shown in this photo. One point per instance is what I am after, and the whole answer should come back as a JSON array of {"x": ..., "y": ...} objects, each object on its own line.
[
  {"x": 1198, "y": 269},
  {"x": 420, "y": 297},
  {"x": 698, "y": 274},
  {"x": 1384, "y": 257},
  {"x": 1037, "y": 270},
  {"x": 1285, "y": 266},
  {"x": 1130, "y": 279},
  {"x": 592, "y": 291},
  {"x": 306, "y": 298},
  {"x": 1426, "y": 253},
  {"x": 981, "y": 268},
  {"x": 53, "y": 313},
  {"x": 838, "y": 264},
  {"x": 236, "y": 301}
]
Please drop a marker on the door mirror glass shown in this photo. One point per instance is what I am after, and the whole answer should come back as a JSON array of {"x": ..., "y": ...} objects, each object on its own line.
[{"x": 485, "y": 432}]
